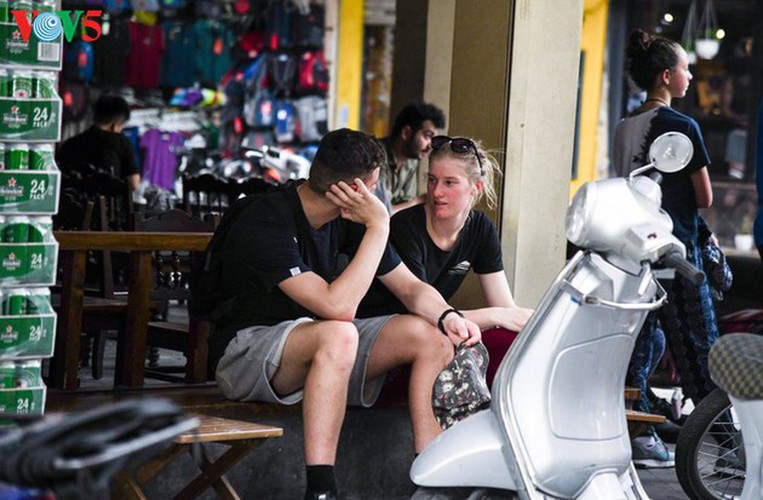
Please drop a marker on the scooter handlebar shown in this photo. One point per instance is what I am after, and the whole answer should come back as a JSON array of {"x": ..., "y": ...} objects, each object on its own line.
[{"x": 684, "y": 267}]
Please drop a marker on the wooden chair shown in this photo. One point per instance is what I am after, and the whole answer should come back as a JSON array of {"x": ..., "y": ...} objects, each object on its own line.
[
  {"x": 206, "y": 194},
  {"x": 170, "y": 276},
  {"x": 254, "y": 185}
]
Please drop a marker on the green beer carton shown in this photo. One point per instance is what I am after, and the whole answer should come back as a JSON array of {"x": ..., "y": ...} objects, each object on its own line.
[
  {"x": 30, "y": 119},
  {"x": 22, "y": 401},
  {"x": 15, "y": 374},
  {"x": 32, "y": 53},
  {"x": 30, "y": 192},
  {"x": 28, "y": 324}
]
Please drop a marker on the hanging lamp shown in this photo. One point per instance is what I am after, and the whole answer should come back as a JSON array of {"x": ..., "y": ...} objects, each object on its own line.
[
  {"x": 689, "y": 34},
  {"x": 707, "y": 43}
]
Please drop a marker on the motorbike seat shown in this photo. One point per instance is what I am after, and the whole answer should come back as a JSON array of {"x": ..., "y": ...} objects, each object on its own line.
[{"x": 736, "y": 365}]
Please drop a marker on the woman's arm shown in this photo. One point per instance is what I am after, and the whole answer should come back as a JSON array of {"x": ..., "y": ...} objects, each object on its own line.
[
  {"x": 703, "y": 190},
  {"x": 502, "y": 310}
]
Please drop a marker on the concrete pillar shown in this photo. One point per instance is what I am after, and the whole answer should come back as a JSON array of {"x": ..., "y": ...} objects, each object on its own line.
[
  {"x": 509, "y": 78},
  {"x": 545, "y": 54}
]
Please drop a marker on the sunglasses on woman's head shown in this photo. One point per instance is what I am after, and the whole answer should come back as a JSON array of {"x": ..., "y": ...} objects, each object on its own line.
[{"x": 457, "y": 145}]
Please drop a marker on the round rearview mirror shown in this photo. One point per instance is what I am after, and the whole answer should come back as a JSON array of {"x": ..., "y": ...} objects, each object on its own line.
[{"x": 671, "y": 152}]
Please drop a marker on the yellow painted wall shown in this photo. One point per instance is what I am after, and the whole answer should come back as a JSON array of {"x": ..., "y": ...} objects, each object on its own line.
[
  {"x": 349, "y": 64},
  {"x": 593, "y": 45}
]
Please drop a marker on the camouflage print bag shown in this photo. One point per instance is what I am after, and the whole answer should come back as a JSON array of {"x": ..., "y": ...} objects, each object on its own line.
[{"x": 460, "y": 388}]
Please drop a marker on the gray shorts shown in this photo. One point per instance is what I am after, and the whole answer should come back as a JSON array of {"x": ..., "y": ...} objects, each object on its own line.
[{"x": 254, "y": 355}]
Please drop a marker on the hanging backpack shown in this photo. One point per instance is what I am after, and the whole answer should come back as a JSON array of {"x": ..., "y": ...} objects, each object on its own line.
[
  {"x": 75, "y": 98},
  {"x": 312, "y": 118},
  {"x": 259, "y": 104},
  {"x": 286, "y": 121},
  {"x": 308, "y": 29},
  {"x": 313, "y": 76},
  {"x": 278, "y": 31},
  {"x": 78, "y": 61},
  {"x": 282, "y": 70}
]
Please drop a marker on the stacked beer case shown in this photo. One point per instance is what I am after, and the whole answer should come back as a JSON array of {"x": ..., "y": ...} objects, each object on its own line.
[{"x": 30, "y": 125}]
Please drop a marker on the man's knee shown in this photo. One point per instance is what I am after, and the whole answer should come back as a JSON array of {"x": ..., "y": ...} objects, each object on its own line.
[
  {"x": 426, "y": 341},
  {"x": 337, "y": 343}
]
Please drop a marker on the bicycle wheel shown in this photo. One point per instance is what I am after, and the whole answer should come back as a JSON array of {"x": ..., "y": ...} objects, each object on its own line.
[{"x": 710, "y": 461}]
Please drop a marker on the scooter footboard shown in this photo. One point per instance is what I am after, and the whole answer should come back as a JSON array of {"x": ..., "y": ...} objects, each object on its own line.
[{"x": 468, "y": 454}]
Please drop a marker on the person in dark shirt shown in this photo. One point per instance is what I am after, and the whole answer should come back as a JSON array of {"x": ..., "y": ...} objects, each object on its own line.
[
  {"x": 103, "y": 145},
  {"x": 299, "y": 261}
]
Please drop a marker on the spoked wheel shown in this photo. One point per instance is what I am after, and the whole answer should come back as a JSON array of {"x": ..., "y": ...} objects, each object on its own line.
[{"x": 710, "y": 462}]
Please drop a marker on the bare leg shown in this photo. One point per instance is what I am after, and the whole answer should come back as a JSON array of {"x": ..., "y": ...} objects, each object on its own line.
[
  {"x": 408, "y": 339},
  {"x": 319, "y": 357}
]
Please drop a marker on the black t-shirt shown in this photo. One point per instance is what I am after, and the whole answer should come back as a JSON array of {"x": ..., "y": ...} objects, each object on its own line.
[
  {"x": 272, "y": 241},
  {"x": 477, "y": 248},
  {"x": 108, "y": 151}
]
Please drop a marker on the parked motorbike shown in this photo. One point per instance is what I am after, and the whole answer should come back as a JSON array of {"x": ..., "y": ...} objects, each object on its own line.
[
  {"x": 556, "y": 427},
  {"x": 719, "y": 453}
]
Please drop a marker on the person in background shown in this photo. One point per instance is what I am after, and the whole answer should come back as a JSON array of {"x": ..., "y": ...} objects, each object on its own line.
[
  {"x": 103, "y": 145},
  {"x": 661, "y": 68},
  {"x": 406, "y": 146},
  {"x": 442, "y": 239},
  {"x": 298, "y": 262}
]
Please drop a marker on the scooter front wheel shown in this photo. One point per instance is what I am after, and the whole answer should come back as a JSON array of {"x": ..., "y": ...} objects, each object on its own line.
[{"x": 710, "y": 461}]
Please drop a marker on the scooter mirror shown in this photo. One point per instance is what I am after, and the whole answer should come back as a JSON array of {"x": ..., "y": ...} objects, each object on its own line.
[{"x": 671, "y": 152}]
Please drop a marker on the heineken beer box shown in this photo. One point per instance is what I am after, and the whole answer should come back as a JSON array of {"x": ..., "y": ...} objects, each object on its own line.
[
  {"x": 34, "y": 52},
  {"x": 30, "y": 120},
  {"x": 27, "y": 324},
  {"x": 22, "y": 401},
  {"x": 28, "y": 191},
  {"x": 28, "y": 251}
]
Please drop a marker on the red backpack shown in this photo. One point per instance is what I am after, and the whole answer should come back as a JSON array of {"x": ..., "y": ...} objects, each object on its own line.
[{"x": 312, "y": 76}]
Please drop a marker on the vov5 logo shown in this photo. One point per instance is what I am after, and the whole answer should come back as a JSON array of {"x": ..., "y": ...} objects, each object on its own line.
[{"x": 48, "y": 26}]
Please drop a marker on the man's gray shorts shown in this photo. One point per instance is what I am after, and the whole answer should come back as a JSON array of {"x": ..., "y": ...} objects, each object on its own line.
[{"x": 254, "y": 354}]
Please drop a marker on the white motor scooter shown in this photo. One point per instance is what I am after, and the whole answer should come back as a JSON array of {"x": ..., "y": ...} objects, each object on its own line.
[{"x": 556, "y": 427}]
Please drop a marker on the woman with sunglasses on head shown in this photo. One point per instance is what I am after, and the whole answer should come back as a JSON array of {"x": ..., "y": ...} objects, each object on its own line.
[
  {"x": 441, "y": 240},
  {"x": 661, "y": 68}
]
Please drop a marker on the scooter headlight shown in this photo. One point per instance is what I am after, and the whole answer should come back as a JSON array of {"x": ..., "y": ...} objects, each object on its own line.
[{"x": 577, "y": 220}]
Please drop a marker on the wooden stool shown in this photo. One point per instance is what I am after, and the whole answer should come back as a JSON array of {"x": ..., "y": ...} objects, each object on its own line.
[{"x": 241, "y": 437}]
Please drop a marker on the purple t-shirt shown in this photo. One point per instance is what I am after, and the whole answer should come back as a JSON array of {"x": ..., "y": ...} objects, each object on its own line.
[{"x": 159, "y": 160}]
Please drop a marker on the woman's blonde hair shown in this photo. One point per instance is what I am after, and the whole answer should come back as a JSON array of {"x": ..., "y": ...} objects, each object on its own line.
[{"x": 478, "y": 165}]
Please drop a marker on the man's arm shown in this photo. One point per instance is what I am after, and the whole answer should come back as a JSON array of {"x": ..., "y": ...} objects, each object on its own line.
[
  {"x": 339, "y": 299},
  {"x": 133, "y": 181},
  {"x": 425, "y": 301}
]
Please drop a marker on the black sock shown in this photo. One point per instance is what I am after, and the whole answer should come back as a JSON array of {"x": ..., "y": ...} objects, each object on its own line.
[{"x": 320, "y": 478}]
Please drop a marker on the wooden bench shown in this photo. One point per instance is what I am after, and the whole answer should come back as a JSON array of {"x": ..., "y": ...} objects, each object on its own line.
[
  {"x": 216, "y": 426},
  {"x": 638, "y": 422},
  {"x": 240, "y": 437}
]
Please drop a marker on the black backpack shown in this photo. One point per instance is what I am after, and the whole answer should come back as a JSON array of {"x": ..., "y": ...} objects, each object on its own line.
[{"x": 210, "y": 298}]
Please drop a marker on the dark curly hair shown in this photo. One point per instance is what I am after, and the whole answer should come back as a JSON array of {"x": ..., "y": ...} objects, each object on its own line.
[
  {"x": 344, "y": 155},
  {"x": 415, "y": 114},
  {"x": 648, "y": 56}
]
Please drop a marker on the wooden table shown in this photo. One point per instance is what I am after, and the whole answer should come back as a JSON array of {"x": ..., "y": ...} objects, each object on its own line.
[{"x": 131, "y": 351}]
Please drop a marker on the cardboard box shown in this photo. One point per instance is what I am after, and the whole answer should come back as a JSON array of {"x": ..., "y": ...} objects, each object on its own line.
[{"x": 30, "y": 192}]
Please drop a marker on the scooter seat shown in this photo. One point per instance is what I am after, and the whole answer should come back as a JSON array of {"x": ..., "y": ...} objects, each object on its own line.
[{"x": 736, "y": 365}]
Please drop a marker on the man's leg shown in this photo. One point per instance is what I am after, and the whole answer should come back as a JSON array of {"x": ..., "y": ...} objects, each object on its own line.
[
  {"x": 319, "y": 357},
  {"x": 408, "y": 339}
]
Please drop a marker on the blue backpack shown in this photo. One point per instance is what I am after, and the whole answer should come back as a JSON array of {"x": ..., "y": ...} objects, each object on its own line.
[{"x": 286, "y": 121}]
